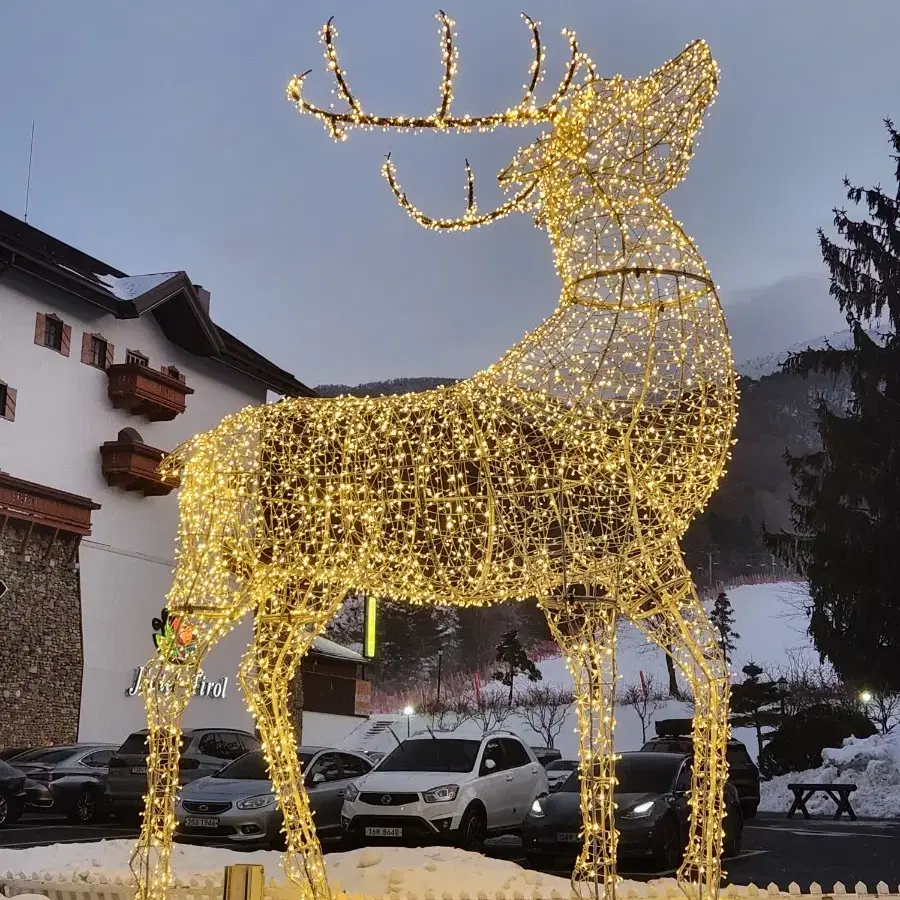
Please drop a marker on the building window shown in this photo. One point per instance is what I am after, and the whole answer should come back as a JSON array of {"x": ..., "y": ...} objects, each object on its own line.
[
  {"x": 136, "y": 358},
  {"x": 51, "y": 332},
  {"x": 96, "y": 351},
  {"x": 7, "y": 402}
]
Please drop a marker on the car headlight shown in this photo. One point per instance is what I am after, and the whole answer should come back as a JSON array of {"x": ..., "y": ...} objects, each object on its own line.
[
  {"x": 257, "y": 802},
  {"x": 442, "y": 794},
  {"x": 351, "y": 793},
  {"x": 641, "y": 810},
  {"x": 537, "y": 811}
]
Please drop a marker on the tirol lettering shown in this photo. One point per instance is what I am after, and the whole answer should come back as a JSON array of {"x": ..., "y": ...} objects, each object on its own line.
[{"x": 202, "y": 688}]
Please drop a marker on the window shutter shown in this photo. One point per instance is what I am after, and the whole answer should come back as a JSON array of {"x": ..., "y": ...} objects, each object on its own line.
[
  {"x": 10, "y": 411},
  {"x": 40, "y": 324},
  {"x": 110, "y": 354},
  {"x": 86, "y": 344},
  {"x": 66, "y": 340}
]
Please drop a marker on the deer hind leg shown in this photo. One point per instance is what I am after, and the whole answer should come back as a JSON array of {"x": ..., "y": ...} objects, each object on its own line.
[
  {"x": 285, "y": 628},
  {"x": 165, "y": 706},
  {"x": 671, "y": 615},
  {"x": 585, "y": 629}
]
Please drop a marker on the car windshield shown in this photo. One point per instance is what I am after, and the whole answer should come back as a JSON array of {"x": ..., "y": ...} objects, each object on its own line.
[
  {"x": 432, "y": 756},
  {"x": 48, "y": 756},
  {"x": 638, "y": 774},
  {"x": 252, "y": 767},
  {"x": 563, "y": 765},
  {"x": 136, "y": 744}
]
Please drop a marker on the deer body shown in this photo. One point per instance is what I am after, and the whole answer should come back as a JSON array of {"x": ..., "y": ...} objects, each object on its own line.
[{"x": 566, "y": 471}]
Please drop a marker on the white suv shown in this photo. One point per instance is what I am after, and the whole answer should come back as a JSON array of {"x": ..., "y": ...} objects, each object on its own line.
[{"x": 440, "y": 787}]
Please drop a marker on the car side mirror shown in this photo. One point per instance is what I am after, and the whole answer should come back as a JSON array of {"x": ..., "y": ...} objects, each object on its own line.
[
  {"x": 490, "y": 765},
  {"x": 318, "y": 778}
]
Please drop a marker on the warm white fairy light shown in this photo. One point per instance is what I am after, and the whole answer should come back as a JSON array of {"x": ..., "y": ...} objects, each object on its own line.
[{"x": 568, "y": 470}]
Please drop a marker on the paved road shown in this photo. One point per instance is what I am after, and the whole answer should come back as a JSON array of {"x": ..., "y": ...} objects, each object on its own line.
[{"x": 775, "y": 850}]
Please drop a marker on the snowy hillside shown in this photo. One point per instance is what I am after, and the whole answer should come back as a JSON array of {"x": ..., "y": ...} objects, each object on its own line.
[
  {"x": 768, "y": 617},
  {"x": 770, "y": 363}
]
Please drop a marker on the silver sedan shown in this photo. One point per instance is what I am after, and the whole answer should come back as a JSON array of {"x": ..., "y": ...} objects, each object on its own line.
[{"x": 237, "y": 805}]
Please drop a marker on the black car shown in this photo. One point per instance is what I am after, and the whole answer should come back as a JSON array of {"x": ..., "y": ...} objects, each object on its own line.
[
  {"x": 652, "y": 815},
  {"x": 70, "y": 780},
  {"x": 674, "y": 736},
  {"x": 12, "y": 794},
  {"x": 8, "y": 753}
]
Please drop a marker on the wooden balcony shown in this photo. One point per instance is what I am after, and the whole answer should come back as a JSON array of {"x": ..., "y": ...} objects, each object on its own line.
[
  {"x": 146, "y": 392},
  {"x": 133, "y": 466},
  {"x": 44, "y": 506}
]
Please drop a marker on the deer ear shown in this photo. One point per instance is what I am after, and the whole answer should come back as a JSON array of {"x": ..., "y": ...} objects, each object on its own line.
[{"x": 680, "y": 93}]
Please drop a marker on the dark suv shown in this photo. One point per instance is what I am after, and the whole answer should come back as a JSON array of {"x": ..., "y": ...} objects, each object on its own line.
[
  {"x": 203, "y": 752},
  {"x": 674, "y": 736}
]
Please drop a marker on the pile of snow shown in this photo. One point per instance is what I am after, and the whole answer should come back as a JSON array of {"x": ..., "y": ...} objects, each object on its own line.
[
  {"x": 872, "y": 764},
  {"x": 369, "y": 871}
]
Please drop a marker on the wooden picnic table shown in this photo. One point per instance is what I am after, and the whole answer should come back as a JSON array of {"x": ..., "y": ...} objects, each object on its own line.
[{"x": 839, "y": 793}]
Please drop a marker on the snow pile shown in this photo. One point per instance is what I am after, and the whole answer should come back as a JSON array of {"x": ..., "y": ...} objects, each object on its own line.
[
  {"x": 872, "y": 764},
  {"x": 373, "y": 872}
]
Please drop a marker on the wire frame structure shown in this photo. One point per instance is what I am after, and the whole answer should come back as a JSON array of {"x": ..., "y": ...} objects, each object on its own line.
[{"x": 567, "y": 471}]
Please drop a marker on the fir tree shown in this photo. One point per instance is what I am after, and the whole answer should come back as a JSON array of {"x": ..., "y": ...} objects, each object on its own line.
[
  {"x": 722, "y": 619},
  {"x": 846, "y": 526},
  {"x": 755, "y": 704},
  {"x": 512, "y": 657}
]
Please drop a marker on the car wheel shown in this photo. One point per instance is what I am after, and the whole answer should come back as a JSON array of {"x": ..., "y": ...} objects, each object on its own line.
[
  {"x": 668, "y": 852},
  {"x": 749, "y": 807},
  {"x": 472, "y": 830},
  {"x": 85, "y": 808}
]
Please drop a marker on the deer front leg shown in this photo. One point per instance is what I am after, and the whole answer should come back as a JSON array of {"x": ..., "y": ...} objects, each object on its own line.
[
  {"x": 585, "y": 630},
  {"x": 674, "y": 617},
  {"x": 168, "y": 686},
  {"x": 283, "y": 633}
]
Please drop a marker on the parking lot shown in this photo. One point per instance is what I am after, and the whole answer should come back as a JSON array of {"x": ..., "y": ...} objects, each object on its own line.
[{"x": 775, "y": 850}]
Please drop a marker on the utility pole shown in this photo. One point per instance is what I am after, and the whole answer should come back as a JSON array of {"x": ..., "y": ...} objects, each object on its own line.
[{"x": 440, "y": 666}]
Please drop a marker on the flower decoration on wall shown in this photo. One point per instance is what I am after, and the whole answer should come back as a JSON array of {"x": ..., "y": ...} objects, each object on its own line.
[{"x": 173, "y": 638}]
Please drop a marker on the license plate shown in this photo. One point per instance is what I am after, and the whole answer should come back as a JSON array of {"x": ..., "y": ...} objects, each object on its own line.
[
  {"x": 138, "y": 770},
  {"x": 384, "y": 832},
  {"x": 193, "y": 822},
  {"x": 568, "y": 837}
]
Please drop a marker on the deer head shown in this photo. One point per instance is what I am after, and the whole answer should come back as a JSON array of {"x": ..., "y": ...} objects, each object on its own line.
[{"x": 632, "y": 140}]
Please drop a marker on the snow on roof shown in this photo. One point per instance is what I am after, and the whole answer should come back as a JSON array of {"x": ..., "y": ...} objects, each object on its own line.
[
  {"x": 330, "y": 648},
  {"x": 132, "y": 286}
]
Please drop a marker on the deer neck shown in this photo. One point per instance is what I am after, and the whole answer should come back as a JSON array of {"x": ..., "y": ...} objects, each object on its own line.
[{"x": 637, "y": 298}]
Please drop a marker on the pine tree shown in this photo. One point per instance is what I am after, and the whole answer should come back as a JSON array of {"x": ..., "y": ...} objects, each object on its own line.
[
  {"x": 846, "y": 524},
  {"x": 511, "y": 655},
  {"x": 755, "y": 704},
  {"x": 722, "y": 619}
]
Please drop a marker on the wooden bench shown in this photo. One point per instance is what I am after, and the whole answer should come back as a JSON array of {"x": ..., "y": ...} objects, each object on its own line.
[{"x": 840, "y": 793}]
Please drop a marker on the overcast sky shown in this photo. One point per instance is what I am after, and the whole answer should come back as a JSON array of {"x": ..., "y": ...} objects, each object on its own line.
[{"x": 164, "y": 142}]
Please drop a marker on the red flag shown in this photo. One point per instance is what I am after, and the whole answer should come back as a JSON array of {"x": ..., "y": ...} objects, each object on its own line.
[
  {"x": 643, "y": 683},
  {"x": 476, "y": 678}
]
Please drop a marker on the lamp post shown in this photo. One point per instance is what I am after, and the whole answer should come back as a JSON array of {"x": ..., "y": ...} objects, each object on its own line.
[
  {"x": 437, "y": 702},
  {"x": 408, "y": 711},
  {"x": 866, "y": 697},
  {"x": 782, "y": 693}
]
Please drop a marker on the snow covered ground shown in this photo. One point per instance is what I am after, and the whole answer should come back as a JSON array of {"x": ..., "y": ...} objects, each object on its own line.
[
  {"x": 768, "y": 617},
  {"x": 872, "y": 764},
  {"x": 372, "y": 872}
]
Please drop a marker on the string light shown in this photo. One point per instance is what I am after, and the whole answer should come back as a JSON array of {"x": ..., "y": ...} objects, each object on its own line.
[{"x": 568, "y": 470}]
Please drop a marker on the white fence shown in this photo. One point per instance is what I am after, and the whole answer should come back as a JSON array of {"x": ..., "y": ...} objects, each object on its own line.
[{"x": 89, "y": 886}]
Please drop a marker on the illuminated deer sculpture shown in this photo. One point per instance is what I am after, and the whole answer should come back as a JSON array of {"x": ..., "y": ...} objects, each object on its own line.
[{"x": 567, "y": 471}]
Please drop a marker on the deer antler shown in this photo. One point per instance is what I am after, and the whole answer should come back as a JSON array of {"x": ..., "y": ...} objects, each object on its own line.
[
  {"x": 471, "y": 219},
  {"x": 525, "y": 112}
]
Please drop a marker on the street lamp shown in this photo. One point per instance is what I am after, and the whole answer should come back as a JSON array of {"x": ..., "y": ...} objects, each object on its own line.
[
  {"x": 440, "y": 666},
  {"x": 408, "y": 711},
  {"x": 865, "y": 696}
]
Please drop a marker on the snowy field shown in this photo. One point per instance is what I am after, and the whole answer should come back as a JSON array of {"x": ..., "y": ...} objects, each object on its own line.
[
  {"x": 872, "y": 764},
  {"x": 372, "y": 872},
  {"x": 772, "y": 626}
]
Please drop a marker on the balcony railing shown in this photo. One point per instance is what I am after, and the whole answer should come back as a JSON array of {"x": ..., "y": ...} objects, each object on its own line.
[
  {"x": 146, "y": 392},
  {"x": 133, "y": 466}
]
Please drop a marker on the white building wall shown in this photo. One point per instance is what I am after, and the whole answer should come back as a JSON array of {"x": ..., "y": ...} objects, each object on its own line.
[{"x": 63, "y": 414}]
